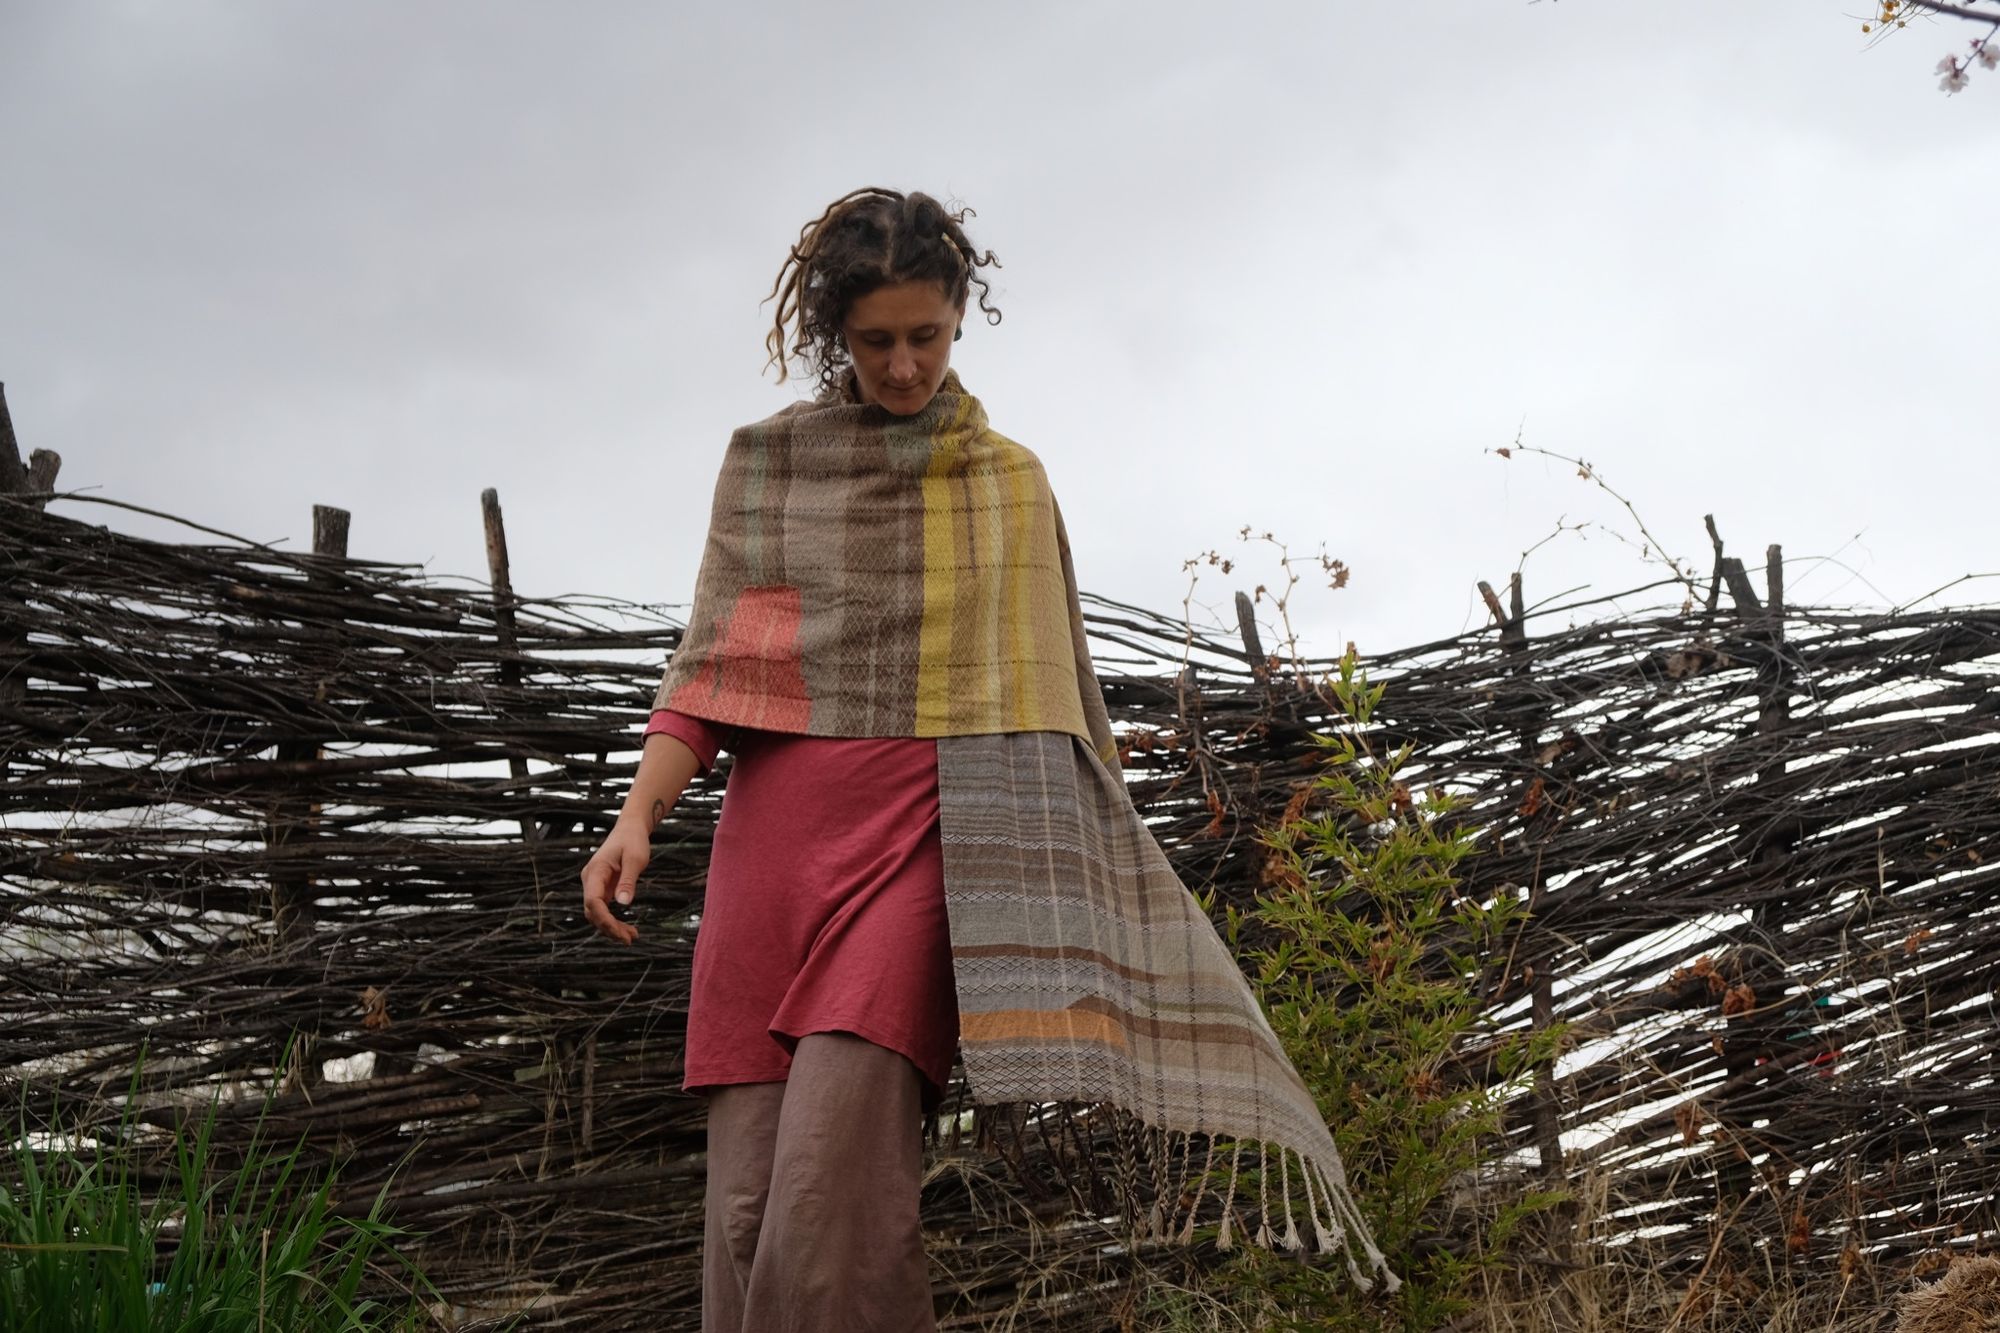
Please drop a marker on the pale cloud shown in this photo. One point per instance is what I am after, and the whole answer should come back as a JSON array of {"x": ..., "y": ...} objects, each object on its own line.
[{"x": 1286, "y": 265}]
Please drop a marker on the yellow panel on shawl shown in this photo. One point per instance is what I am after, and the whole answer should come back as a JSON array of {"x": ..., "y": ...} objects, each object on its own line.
[{"x": 995, "y": 649}]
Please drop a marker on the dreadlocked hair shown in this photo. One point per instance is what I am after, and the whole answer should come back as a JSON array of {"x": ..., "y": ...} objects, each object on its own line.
[{"x": 865, "y": 240}]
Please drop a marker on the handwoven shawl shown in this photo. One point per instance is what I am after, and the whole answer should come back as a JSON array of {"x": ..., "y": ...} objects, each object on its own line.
[{"x": 868, "y": 574}]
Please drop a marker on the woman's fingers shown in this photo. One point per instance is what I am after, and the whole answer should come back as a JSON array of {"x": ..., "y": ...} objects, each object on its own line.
[
  {"x": 628, "y": 877},
  {"x": 598, "y": 876}
]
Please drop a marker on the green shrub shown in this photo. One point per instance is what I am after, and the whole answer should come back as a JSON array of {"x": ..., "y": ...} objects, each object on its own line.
[
  {"x": 86, "y": 1246},
  {"x": 1374, "y": 967}
]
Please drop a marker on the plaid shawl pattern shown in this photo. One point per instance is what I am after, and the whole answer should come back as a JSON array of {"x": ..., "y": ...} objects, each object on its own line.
[{"x": 874, "y": 575}]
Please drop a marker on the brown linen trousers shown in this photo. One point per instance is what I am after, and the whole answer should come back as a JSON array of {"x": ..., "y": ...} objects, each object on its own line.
[{"x": 811, "y": 1211}]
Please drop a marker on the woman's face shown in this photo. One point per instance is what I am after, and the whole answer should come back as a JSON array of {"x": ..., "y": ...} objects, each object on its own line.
[{"x": 899, "y": 338}]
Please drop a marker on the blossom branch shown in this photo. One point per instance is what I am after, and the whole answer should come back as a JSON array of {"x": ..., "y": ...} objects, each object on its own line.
[
  {"x": 1957, "y": 11},
  {"x": 1953, "y": 71}
]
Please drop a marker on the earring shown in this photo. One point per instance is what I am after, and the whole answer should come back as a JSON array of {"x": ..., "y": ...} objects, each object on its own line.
[{"x": 958, "y": 333}]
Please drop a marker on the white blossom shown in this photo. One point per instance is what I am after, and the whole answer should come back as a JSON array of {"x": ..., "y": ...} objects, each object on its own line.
[
  {"x": 1988, "y": 55},
  {"x": 1954, "y": 74}
]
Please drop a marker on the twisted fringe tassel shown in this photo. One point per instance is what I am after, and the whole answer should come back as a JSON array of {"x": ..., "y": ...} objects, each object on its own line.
[
  {"x": 1160, "y": 1145},
  {"x": 1222, "y": 1241},
  {"x": 1323, "y": 1236},
  {"x": 1200, "y": 1191},
  {"x": 1264, "y": 1236},
  {"x": 1290, "y": 1240},
  {"x": 1180, "y": 1184},
  {"x": 1349, "y": 1224}
]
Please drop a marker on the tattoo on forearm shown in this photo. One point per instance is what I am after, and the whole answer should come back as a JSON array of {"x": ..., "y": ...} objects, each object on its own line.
[{"x": 659, "y": 813}]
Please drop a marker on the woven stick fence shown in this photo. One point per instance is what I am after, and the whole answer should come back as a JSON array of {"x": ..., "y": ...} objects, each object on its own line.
[{"x": 307, "y": 823}]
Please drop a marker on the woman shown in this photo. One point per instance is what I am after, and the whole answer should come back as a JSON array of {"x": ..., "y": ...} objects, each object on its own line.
[{"x": 925, "y": 844}]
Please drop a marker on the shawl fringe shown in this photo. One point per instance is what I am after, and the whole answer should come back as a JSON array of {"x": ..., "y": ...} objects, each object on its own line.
[{"x": 1167, "y": 1187}]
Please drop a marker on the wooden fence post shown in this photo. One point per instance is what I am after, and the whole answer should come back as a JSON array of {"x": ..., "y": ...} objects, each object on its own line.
[
  {"x": 1544, "y": 1104},
  {"x": 1776, "y": 708},
  {"x": 1253, "y": 642},
  {"x": 17, "y": 479},
  {"x": 504, "y": 625},
  {"x": 24, "y": 479},
  {"x": 294, "y": 912},
  {"x": 499, "y": 573},
  {"x": 1542, "y": 1006},
  {"x": 13, "y": 475},
  {"x": 1747, "y": 1032}
]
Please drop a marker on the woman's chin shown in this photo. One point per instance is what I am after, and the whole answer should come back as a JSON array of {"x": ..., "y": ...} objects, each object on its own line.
[{"x": 906, "y": 404}]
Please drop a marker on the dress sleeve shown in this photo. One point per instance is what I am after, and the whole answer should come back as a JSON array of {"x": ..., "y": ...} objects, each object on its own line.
[{"x": 705, "y": 738}]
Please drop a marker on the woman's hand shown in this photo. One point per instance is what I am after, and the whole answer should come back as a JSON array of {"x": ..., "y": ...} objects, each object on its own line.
[
  {"x": 614, "y": 872},
  {"x": 666, "y": 766}
]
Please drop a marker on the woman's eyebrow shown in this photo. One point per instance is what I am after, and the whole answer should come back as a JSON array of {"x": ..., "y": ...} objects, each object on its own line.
[{"x": 870, "y": 331}]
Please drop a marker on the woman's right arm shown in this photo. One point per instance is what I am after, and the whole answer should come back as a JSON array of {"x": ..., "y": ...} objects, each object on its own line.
[{"x": 666, "y": 766}]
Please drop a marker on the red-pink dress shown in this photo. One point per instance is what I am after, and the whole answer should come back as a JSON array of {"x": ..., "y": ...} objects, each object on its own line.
[{"x": 825, "y": 905}]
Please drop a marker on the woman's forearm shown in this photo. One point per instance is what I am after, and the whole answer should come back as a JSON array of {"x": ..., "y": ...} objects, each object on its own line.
[{"x": 666, "y": 766}]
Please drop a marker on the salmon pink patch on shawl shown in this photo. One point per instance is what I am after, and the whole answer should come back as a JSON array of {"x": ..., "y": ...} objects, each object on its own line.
[
  {"x": 754, "y": 672},
  {"x": 874, "y": 575}
]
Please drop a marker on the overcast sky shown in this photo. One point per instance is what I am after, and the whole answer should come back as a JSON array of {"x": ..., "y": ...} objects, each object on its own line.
[{"x": 1298, "y": 266}]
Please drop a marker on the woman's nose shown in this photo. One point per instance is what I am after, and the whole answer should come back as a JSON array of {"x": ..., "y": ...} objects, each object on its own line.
[{"x": 902, "y": 363}]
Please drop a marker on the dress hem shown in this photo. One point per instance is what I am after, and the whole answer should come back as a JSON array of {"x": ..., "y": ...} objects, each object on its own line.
[{"x": 868, "y": 1032}]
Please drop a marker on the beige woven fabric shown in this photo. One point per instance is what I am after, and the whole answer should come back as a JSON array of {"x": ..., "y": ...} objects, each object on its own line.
[{"x": 873, "y": 575}]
